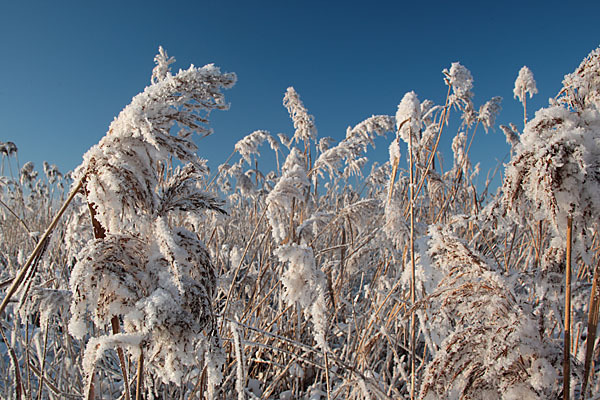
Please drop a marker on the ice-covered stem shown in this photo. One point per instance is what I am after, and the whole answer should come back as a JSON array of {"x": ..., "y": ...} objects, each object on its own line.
[
  {"x": 524, "y": 84},
  {"x": 394, "y": 161}
]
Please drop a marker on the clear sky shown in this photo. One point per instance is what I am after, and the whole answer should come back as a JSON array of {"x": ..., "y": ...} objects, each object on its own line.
[{"x": 68, "y": 68}]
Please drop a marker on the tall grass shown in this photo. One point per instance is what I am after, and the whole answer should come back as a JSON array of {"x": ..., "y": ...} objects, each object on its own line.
[{"x": 321, "y": 281}]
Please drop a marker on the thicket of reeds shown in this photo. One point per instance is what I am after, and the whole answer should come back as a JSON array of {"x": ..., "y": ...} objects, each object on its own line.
[{"x": 144, "y": 275}]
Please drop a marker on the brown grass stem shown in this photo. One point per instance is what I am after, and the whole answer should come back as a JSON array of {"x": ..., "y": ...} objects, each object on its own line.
[
  {"x": 139, "y": 386},
  {"x": 442, "y": 122},
  {"x": 567, "y": 327},
  {"x": 412, "y": 273},
  {"x": 239, "y": 266}
]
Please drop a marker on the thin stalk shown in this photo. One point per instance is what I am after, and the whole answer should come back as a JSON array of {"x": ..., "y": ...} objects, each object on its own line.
[
  {"x": 412, "y": 273},
  {"x": 16, "y": 216},
  {"x": 396, "y": 162},
  {"x": 218, "y": 172},
  {"x": 139, "y": 386},
  {"x": 567, "y": 328},
  {"x": 237, "y": 270},
  {"x": 327, "y": 375},
  {"x": 43, "y": 361},
  {"x": 524, "y": 97},
  {"x": 394, "y": 172},
  {"x": 116, "y": 328},
  {"x": 442, "y": 122}
]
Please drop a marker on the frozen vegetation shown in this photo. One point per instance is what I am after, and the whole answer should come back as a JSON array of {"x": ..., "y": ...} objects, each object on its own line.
[{"x": 325, "y": 276}]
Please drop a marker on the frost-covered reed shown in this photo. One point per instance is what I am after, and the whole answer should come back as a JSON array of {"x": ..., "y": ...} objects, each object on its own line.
[{"x": 324, "y": 276}]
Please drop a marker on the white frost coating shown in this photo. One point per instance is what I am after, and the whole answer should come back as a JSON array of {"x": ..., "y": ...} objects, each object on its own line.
[
  {"x": 96, "y": 347},
  {"x": 249, "y": 144},
  {"x": 301, "y": 276},
  {"x": 489, "y": 111},
  {"x": 524, "y": 84},
  {"x": 354, "y": 145},
  {"x": 512, "y": 134},
  {"x": 582, "y": 87},
  {"x": 408, "y": 119},
  {"x": 304, "y": 123},
  {"x": 305, "y": 284},
  {"x": 162, "y": 68},
  {"x": 555, "y": 173},
  {"x": 394, "y": 151},
  {"x": 461, "y": 80},
  {"x": 240, "y": 382},
  {"x": 461, "y": 161},
  {"x": 120, "y": 172},
  {"x": 143, "y": 268},
  {"x": 480, "y": 324},
  {"x": 292, "y": 187}
]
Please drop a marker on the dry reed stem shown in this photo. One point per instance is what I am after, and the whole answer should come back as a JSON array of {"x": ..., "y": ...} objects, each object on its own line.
[
  {"x": 412, "y": 274},
  {"x": 443, "y": 119},
  {"x": 116, "y": 328},
  {"x": 393, "y": 179},
  {"x": 237, "y": 270},
  {"x": 359, "y": 349},
  {"x": 15, "y": 215},
  {"x": 567, "y": 327},
  {"x": 38, "y": 249},
  {"x": 592, "y": 327},
  {"x": 139, "y": 386},
  {"x": 328, "y": 384},
  {"x": 218, "y": 173}
]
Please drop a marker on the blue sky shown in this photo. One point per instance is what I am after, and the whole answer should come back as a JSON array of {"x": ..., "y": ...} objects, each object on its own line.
[{"x": 68, "y": 68}]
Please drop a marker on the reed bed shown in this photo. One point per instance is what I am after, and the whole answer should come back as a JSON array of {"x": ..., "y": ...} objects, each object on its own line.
[{"x": 325, "y": 276}]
